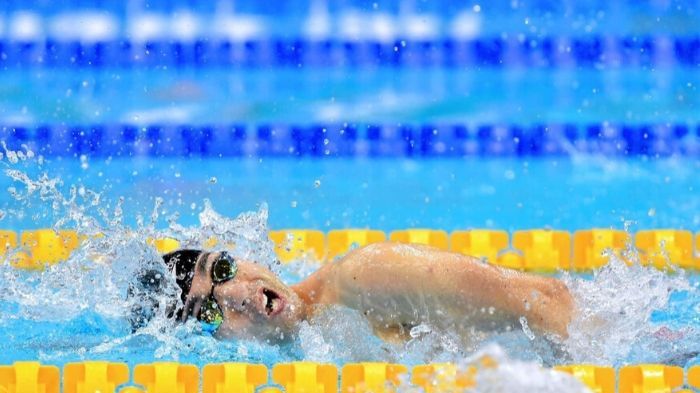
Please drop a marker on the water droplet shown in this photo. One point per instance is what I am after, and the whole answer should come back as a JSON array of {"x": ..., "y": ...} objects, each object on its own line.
[
  {"x": 293, "y": 204},
  {"x": 651, "y": 212},
  {"x": 526, "y": 329}
]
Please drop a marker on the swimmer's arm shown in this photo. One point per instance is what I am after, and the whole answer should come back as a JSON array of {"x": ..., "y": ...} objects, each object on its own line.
[{"x": 390, "y": 270}]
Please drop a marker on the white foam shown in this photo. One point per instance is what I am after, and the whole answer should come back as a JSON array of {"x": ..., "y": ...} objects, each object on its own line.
[
  {"x": 238, "y": 27},
  {"x": 170, "y": 114},
  {"x": 613, "y": 310},
  {"x": 147, "y": 26},
  {"x": 352, "y": 26},
  {"x": 466, "y": 25},
  {"x": 26, "y": 26},
  {"x": 317, "y": 25},
  {"x": 420, "y": 26},
  {"x": 185, "y": 26},
  {"x": 508, "y": 375},
  {"x": 383, "y": 27},
  {"x": 85, "y": 26}
]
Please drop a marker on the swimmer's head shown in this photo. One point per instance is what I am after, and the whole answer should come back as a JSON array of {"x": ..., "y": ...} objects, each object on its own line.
[{"x": 249, "y": 299}]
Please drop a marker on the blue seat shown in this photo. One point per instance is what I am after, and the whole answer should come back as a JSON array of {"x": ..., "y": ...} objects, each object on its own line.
[
  {"x": 605, "y": 139},
  {"x": 446, "y": 140},
  {"x": 182, "y": 53},
  {"x": 204, "y": 53},
  {"x": 687, "y": 50},
  {"x": 392, "y": 141},
  {"x": 85, "y": 55},
  {"x": 16, "y": 136},
  {"x": 488, "y": 52},
  {"x": 40, "y": 140},
  {"x": 665, "y": 140},
  {"x": 363, "y": 53},
  {"x": 196, "y": 139},
  {"x": 290, "y": 52},
  {"x": 238, "y": 54},
  {"x": 496, "y": 140},
  {"x": 223, "y": 52},
  {"x": 552, "y": 139},
  {"x": 153, "y": 54},
  {"x": 431, "y": 53},
  {"x": 259, "y": 53},
  {"x": 336, "y": 140},
  {"x": 229, "y": 141},
  {"x": 410, "y": 53},
  {"x": 164, "y": 141},
  {"x": 56, "y": 54},
  {"x": 113, "y": 142},
  {"x": 321, "y": 54},
  {"x": 639, "y": 139},
  {"x": 129, "y": 135},
  {"x": 528, "y": 142},
  {"x": 383, "y": 53},
  {"x": 21, "y": 54},
  {"x": 120, "y": 53},
  {"x": 537, "y": 52},
  {"x": 87, "y": 140},
  {"x": 307, "y": 140},
  {"x": 457, "y": 53},
  {"x": 587, "y": 51},
  {"x": 277, "y": 140},
  {"x": 637, "y": 50},
  {"x": 56, "y": 141}
]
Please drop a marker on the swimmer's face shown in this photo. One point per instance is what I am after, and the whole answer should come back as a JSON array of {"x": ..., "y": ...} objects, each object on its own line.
[{"x": 256, "y": 303}]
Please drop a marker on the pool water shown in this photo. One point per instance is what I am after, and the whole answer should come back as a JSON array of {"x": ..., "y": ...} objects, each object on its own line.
[
  {"x": 614, "y": 72},
  {"x": 48, "y": 318},
  {"x": 391, "y": 95},
  {"x": 388, "y": 194}
]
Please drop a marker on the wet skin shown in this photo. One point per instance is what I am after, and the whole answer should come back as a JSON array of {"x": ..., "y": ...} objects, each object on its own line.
[{"x": 396, "y": 287}]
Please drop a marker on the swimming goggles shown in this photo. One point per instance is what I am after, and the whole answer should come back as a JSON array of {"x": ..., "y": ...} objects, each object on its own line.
[{"x": 223, "y": 270}]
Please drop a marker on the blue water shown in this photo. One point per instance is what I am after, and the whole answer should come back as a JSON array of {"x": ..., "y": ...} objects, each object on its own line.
[
  {"x": 387, "y": 95},
  {"x": 560, "y": 193},
  {"x": 568, "y": 193},
  {"x": 74, "y": 311}
]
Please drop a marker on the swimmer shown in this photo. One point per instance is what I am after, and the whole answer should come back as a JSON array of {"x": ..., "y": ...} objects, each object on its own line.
[{"x": 395, "y": 286}]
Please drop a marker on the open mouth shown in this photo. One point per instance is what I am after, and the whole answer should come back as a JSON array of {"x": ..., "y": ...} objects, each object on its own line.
[{"x": 272, "y": 302}]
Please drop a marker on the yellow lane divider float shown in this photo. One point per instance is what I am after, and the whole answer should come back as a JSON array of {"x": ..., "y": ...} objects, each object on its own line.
[
  {"x": 591, "y": 247},
  {"x": 535, "y": 250},
  {"x": 309, "y": 377},
  {"x": 428, "y": 237},
  {"x": 372, "y": 377}
]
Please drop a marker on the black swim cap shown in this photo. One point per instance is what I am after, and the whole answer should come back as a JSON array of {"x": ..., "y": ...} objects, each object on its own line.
[{"x": 148, "y": 288}]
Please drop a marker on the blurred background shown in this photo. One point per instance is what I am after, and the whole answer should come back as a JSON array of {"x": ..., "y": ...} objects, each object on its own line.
[{"x": 387, "y": 114}]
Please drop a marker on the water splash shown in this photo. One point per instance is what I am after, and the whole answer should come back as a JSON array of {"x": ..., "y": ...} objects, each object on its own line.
[
  {"x": 615, "y": 309},
  {"x": 92, "y": 284},
  {"x": 85, "y": 297},
  {"x": 503, "y": 374}
]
